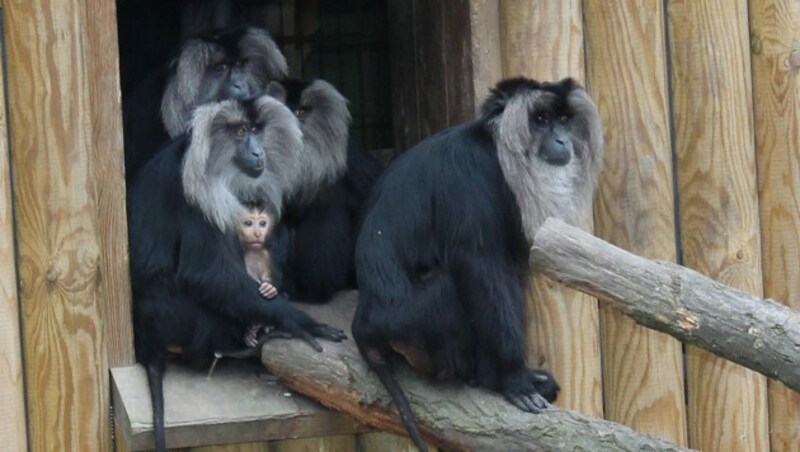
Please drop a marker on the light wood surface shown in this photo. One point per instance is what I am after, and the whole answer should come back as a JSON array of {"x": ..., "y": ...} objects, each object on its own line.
[
  {"x": 716, "y": 178},
  {"x": 543, "y": 39},
  {"x": 626, "y": 68},
  {"x": 12, "y": 387},
  {"x": 68, "y": 196},
  {"x": 775, "y": 50}
]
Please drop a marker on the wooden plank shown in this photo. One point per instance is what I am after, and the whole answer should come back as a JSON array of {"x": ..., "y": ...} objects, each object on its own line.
[
  {"x": 457, "y": 50},
  {"x": 240, "y": 403},
  {"x": 626, "y": 68},
  {"x": 487, "y": 67},
  {"x": 555, "y": 312},
  {"x": 718, "y": 203},
  {"x": 107, "y": 178},
  {"x": 12, "y": 388},
  {"x": 405, "y": 102},
  {"x": 53, "y": 83},
  {"x": 542, "y": 39},
  {"x": 775, "y": 50},
  {"x": 432, "y": 73},
  {"x": 383, "y": 441}
]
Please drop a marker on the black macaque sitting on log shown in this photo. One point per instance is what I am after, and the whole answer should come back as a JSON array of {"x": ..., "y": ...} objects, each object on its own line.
[
  {"x": 443, "y": 249},
  {"x": 191, "y": 288},
  {"x": 336, "y": 176}
]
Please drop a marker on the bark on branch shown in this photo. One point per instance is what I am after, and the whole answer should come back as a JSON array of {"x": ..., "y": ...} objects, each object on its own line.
[
  {"x": 453, "y": 416},
  {"x": 757, "y": 333}
]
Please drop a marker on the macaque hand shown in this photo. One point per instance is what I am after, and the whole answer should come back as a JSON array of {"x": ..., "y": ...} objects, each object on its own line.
[{"x": 267, "y": 290}]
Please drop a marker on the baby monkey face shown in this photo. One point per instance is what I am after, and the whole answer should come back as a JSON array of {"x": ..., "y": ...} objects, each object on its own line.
[{"x": 254, "y": 227}]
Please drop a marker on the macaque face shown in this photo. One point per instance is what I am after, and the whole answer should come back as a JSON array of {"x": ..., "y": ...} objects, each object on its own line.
[{"x": 254, "y": 227}]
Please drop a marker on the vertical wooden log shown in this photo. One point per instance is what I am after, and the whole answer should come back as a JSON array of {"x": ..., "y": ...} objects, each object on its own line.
[
  {"x": 543, "y": 39},
  {"x": 718, "y": 204},
  {"x": 405, "y": 92},
  {"x": 106, "y": 177},
  {"x": 626, "y": 68},
  {"x": 775, "y": 48},
  {"x": 487, "y": 68},
  {"x": 12, "y": 388},
  {"x": 68, "y": 193}
]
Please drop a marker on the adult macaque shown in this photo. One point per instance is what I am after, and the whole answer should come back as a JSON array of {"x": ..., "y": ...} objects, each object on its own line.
[
  {"x": 443, "y": 249},
  {"x": 191, "y": 287}
]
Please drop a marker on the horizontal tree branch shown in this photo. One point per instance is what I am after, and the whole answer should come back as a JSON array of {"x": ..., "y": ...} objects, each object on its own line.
[
  {"x": 758, "y": 333},
  {"x": 453, "y": 416}
]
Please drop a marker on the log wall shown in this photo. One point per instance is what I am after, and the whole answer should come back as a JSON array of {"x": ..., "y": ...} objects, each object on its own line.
[{"x": 700, "y": 101}]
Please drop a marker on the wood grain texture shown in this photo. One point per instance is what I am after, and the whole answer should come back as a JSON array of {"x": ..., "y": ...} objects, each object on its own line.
[
  {"x": 487, "y": 67},
  {"x": 12, "y": 388},
  {"x": 56, "y": 77},
  {"x": 383, "y": 441},
  {"x": 405, "y": 93},
  {"x": 432, "y": 74},
  {"x": 626, "y": 67},
  {"x": 454, "y": 416},
  {"x": 542, "y": 39},
  {"x": 758, "y": 333},
  {"x": 718, "y": 204},
  {"x": 555, "y": 313},
  {"x": 775, "y": 50},
  {"x": 106, "y": 156}
]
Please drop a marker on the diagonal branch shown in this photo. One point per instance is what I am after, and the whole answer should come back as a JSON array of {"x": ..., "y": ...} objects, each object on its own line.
[
  {"x": 456, "y": 417},
  {"x": 757, "y": 333}
]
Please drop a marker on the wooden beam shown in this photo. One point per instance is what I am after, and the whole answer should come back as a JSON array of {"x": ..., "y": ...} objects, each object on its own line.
[
  {"x": 643, "y": 384},
  {"x": 453, "y": 416},
  {"x": 760, "y": 334},
  {"x": 543, "y": 39},
  {"x": 775, "y": 50},
  {"x": 12, "y": 387},
  {"x": 69, "y": 207},
  {"x": 239, "y": 403},
  {"x": 718, "y": 204}
]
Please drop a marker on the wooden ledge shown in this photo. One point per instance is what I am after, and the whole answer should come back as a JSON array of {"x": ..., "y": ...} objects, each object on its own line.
[{"x": 241, "y": 402}]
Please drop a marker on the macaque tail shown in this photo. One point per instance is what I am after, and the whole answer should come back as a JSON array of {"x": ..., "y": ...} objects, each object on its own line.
[
  {"x": 378, "y": 363},
  {"x": 155, "y": 379}
]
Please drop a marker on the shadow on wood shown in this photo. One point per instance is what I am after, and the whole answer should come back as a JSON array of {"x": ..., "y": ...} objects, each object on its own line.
[{"x": 453, "y": 416}]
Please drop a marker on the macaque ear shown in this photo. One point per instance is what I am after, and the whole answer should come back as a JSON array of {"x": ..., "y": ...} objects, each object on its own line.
[{"x": 276, "y": 90}]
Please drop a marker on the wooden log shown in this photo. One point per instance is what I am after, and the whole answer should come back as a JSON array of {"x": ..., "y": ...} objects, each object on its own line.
[
  {"x": 643, "y": 384},
  {"x": 543, "y": 39},
  {"x": 775, "y": 51},
  {"x": 757, "y": 333},
  {"x": 718, "y": 204},
  {"x": 452, "y": 416},
  {"x": 62, "y": 86},
  {"x": 12, "y": 386}
]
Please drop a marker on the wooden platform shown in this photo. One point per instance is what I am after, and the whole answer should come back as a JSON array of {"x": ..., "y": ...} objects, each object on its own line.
[{"x": 241, "y": 402}]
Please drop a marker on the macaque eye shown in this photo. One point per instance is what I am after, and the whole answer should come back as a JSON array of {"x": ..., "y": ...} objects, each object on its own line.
[
  {"x": 542, "y": 119},
  {"x": 248, "y": 223},
  {"x": 240, "y": 131},
  {"x": 222, "y": 67},
  {"x": 302, "y": 112},
  {"x": 564, "y": 119},
  {"x": 263, "y": 224},
  {"x": 238, "y": 63}
]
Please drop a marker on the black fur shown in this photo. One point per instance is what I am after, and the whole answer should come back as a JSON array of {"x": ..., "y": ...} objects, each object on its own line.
[
  {"x": 190, "y": 284},
  {"x": 441, "y": 260},
  {"x": 324, "y": 231},
  {"x": 143, "y": 128}
]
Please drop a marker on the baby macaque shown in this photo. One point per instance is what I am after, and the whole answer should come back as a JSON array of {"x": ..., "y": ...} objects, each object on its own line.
[{"x": 254, "y": 230}]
